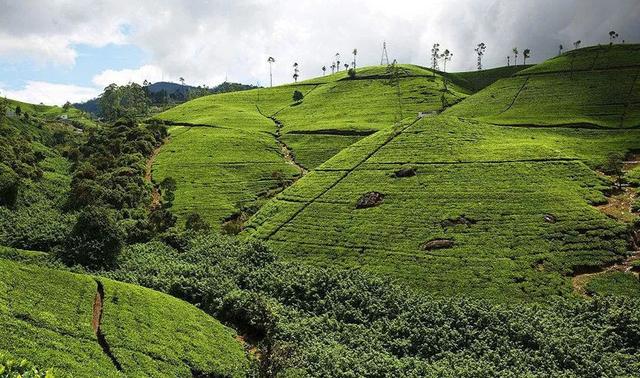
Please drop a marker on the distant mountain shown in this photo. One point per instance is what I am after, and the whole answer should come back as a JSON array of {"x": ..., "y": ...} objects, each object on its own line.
[{"x": 169, "y": 91}]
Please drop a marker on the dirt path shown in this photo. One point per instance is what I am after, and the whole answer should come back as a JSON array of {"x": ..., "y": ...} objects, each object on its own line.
[
  {"x": 580, "y": 281},
  {"x": 287, "y": 153},
  {"x": 96, "y": 322}
]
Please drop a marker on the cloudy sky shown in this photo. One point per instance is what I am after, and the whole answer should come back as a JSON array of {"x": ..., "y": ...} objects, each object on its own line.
[{"x": 58, "y": 50}]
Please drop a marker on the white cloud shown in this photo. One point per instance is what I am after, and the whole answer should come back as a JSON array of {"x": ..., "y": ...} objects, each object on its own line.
[
  {"x": 204, "y": 41},
  {"x": 147, "y": 72},
  {"x": 50, "y": 93}
]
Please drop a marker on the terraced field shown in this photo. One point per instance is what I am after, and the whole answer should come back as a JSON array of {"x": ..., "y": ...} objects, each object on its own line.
[
  {"x": 591, "y": 87},
  {"x": 508, "y": 210},
  {"x": 86, "y": 326},
  {"x": 233, "y": 149}
]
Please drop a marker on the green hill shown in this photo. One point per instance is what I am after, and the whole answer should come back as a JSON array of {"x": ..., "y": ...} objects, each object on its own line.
[
  {"x": 595, "y": 87},
  {"x": 88, "y": 326},
  {"x": 233, "y": 149}
]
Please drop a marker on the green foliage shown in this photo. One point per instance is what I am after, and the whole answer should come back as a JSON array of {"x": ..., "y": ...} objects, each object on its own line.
[
  {"x": 47, "y": 314},
  {"x": 95, "y": 241},
  {"x": 8, "y": 186},
  {"x": 614, "y": 284},
  {"x": 195, "y": 222},
  {"x": 297, "y": 96},
  {"x": 323, "y": 322},
  {"x": 352, "y": 73},
  {"x": 124, "y": 101},
  {"x": 11, "y": 368}
]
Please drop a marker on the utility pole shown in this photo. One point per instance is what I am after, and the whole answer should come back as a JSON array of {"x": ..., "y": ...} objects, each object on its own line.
[{"x": 385, "y": 58}]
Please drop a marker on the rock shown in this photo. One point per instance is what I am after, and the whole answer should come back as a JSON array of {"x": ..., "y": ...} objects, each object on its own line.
[
  {"x": 405, "y": 172},
  {"x": 370, "y": 199},
  {"x": 550, "y": 218},
  {"x": 437, "y": 244}
]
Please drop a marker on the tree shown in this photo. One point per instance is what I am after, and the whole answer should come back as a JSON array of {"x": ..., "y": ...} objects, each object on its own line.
[
  {"x": 324, "y": 70},
  {"x": 270, "y": 60},
  {"x": 184, "y": 92},
  {"x": 480, "y": 49},
  {"x": 446, "y": 57},
  {"x": 109, "y": 101},
  {"x": 333, "y": 67},
  {"x": 338, "y": 61},
  {"x": 351, "y": 73},
  {"x": 508, "y": 60},
  {"x": 526, "y": 54},
  {"x": 435, "y": 56},
  {"x": 295, "y": 72},
  {"x": 576, "y": 44},
  {"x": 297, "y": 96},
  {"x": 95, "y": 241},
  {"x": 346, "y": 66},
  {"x": 560, "y": 48},
  {"x": 613, "y": 166},
  {"x": 66, "y": 106},
  {"x": 612, "y": 35},
  {"x": 515, "y": 54},
  {"x": 18, "y": 110},
  {"x": 354, "y": 52}
]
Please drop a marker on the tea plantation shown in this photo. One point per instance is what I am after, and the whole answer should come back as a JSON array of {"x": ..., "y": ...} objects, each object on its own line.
[
  {"x": 471, "y": 201},
  {"x": 228, "y": 151},
  {"x": 50, "y": 317}
]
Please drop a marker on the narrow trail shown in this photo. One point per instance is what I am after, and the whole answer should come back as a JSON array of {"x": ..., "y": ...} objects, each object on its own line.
[
  {"x": 516, "y": 96},
  {"x": 627, "y": 103},
  {"x": 96, "y": 323},
  {"x": 287, "y": 153}
]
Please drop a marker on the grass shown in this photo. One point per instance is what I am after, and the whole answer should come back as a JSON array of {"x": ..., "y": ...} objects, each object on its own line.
[
  {"x": 505, "y": 179},
  {"x": 46, "y": 315},
  {"x": 228, "y": 153}
]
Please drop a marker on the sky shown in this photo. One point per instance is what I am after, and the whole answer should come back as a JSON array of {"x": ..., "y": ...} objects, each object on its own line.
[{"x": 69, "y": 50}]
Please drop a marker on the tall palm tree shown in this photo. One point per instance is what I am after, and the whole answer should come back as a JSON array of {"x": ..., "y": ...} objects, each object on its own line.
[
  {"x": 515, "y": 54},
  {"x": 324, "y": 70},
  {"x": 333, "y": 67},
  {"x": 338, "y": 61},
  {"x": 295, "y": 72},
  {"x": 446, "y": 56},
  {"x": 346, "y": 66},
  {"x": 355, "y": 52},
  {"x": 526, "y": 54},
  {"x": 184, "y": 93},
  {"x": 576, "y": 44},
  {"x": 560, "y": 48},
  {"x": 270, "y": 60}
]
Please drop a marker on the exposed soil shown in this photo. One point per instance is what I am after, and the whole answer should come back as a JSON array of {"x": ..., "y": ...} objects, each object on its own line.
[
  {"x": 286, "y": 152},
  {"x": 370, "y": 199},
  {"x": 96, "y": 322},
  {"x": 461, "y": 220},
  {"x": 438, "y": 244},
  {"x": 619, "y": 205}
]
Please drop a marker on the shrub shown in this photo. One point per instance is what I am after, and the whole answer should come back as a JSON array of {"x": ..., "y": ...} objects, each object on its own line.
[
  {"x": 195, "y": 222},
  {"x": 9, "y": 181},
  {"x": 95, "y": 240},
  {"x": 297, "y": 96},
  {"x": 10, "y": 368},
  {"x": 351, "y": 73}
]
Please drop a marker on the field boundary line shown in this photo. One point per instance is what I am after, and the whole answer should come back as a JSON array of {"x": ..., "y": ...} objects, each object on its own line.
[{"x": 516, "y": 96}]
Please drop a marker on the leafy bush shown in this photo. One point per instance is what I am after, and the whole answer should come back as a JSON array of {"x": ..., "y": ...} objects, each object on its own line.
[
  {"x": 297, "y": 96},
  {"x": 195, "y": 222},
  {"x": 351, "y": 73},
  {"x": 11, "y": 368},
  {"x": 8, "y": 186},
  {"x": 95, "y": 240}
]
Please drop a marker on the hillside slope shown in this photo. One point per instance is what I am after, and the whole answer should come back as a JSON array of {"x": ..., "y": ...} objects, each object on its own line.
[
  {"x": 592, "y": 87},
  {"x": 231, "y": 150},
  {"x": 467, "y": 207},
  {"x": 87, "y": 326}
]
